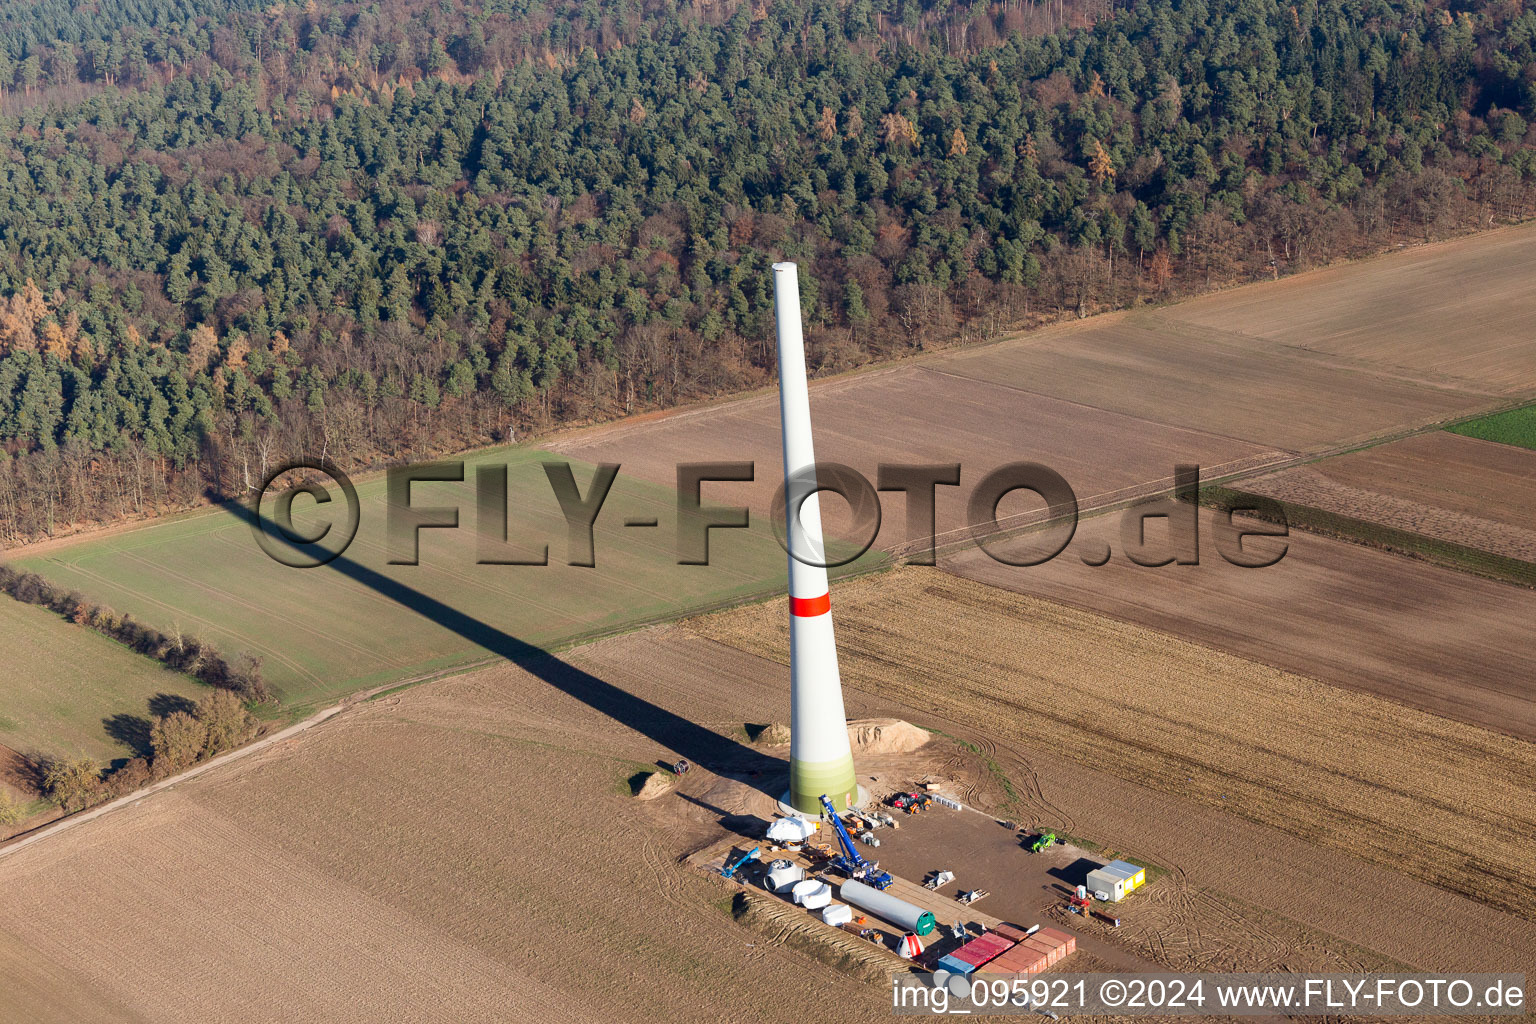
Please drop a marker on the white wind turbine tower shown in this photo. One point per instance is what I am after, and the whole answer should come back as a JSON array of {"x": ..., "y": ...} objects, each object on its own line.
[{"x": 820, "y": 756}]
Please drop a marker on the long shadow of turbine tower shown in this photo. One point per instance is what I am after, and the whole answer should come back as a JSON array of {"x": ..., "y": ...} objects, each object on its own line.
[{"x": 688, "y": 739}]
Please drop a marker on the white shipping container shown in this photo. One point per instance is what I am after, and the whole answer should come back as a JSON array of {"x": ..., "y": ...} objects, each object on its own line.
[{"x": 1115, "y": 881}]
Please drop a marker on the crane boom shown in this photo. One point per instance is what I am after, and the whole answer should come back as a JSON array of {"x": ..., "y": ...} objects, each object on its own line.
[
  {"x": 850, "y": 861},
  {"x": 752, "y": 854}
]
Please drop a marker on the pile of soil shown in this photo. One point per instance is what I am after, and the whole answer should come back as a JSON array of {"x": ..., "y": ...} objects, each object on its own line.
[
  {"x": 775, "y": 735},
  {"x": 868, "y": 736},
  {"x": 886, "y": 736},
  {"x": 656, "y": 784}
]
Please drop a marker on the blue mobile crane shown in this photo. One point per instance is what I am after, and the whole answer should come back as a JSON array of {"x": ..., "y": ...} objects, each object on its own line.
[
  {"x": 850, "y": 862},
  {"x": 730, "y": 870}
]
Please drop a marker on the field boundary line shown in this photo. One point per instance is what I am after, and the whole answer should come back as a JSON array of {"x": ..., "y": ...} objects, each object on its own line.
[{"x": 948, "y": 542}]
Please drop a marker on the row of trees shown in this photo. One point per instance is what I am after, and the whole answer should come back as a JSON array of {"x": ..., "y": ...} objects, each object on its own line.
[
  {"x": 179, "y": 651},
  {"x": 179, "y": 739},
  {"x": 207, "y": 275}
]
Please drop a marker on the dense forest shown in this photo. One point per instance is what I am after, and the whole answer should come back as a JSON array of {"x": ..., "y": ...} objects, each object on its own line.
[{"x": 232, "y": 233}]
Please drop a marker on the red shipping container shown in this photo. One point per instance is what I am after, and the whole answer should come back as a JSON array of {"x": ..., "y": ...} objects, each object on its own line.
[
  {"x": 1049, "y": 950},
  {"x": 1065, "y": 939},
  {"x": 1002, "y": 943},
  {"x": 984, "y": 948},
  {"x": 1033, "y": 963},
  {"x": 1009, "y": 931},
  {"x": 1019, "y": 960}
]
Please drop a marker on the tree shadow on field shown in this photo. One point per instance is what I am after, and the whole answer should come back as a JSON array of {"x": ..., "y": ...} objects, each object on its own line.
[
  {"x": 25, "y": 771},
  {"x": 687, "y": 739},
  {"x": 162, "y": 705},
  {"x": 132, "y": 731}
]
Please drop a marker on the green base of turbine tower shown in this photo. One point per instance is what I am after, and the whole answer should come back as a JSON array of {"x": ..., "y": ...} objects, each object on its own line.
[{"x": 808, "y": 780}]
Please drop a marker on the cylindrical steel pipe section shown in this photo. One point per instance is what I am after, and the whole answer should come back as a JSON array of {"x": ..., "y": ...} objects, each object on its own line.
[{"x": 887, "y": 907}]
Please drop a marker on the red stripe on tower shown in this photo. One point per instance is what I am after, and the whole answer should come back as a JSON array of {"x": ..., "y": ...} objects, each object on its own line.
[{"x": 807, "y": 607}]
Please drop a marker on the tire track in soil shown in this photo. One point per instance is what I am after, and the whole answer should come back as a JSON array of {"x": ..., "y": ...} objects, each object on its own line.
[
  {"x": 276, "y": 654},
  {"x": 240, "y": 602}
]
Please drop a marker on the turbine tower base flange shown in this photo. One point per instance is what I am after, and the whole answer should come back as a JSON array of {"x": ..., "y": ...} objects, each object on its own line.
[{"x": 788, "y": 809}]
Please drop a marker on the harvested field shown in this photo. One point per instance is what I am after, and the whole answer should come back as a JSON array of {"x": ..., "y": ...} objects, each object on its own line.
[
  {"x": 1344, "y": 902},
  {"x": 1189, "y": 928},
  {"x": 67, "y": 691},
  {"x": 450, "y": 878},
  {"x": 915, "y": 414},
  {"x": 1439, "y": 484},
  {"x": 479, "y": 864},
  {"x": 1446, "y": 641},
  {"x": 1112, "y": 403},
  {"x": 486, "y": 840},
  {"x": 1461, "y": 311},
  {"x": 1433, "y": 798},
  {"x": 1158, "y": 368},
  {"x": 1231, "y": 382}
]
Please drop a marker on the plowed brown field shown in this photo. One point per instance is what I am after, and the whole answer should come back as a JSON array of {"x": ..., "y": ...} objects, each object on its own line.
[
  {"x": 466, "y": 851},
  {"x": 1429, "y": 797},
  {"x": 918, "y": 414},
  {"x": 1230, "y": 381},
  {"x": 469, "y": 851},
  {"x": 1347, "y": 614},
  {"x": 1460, "y": 311},
  {"x": 1442, "y": 485},
  {"x": 458, "y": 853},
  {"x": 1163, "y": 369}
]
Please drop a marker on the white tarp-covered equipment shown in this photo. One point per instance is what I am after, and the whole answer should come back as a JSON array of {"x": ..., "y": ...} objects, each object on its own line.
[
  {"x": 837, "y": 913},
  {"x": 812, "y": 894},
  {"x": 791, "y": 830}
]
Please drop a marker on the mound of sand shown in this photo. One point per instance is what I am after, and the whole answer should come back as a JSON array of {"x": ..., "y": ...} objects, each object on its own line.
[
  {"x": 868, "y": 736},
  {"x": 775, "y": 735},
  {"x": 656, "y": 784},
  {"x": 885, "y": 736}
]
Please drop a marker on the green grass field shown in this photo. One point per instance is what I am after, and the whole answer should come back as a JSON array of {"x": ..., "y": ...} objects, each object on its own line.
[
  {"x": 62, "y": 682},
  {"x": 361, "y": 622},
  {"x": 1516, "y": 427}
]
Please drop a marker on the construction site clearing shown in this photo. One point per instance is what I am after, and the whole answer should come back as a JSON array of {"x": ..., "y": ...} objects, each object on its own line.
[{"x": 930, "y": 885}]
